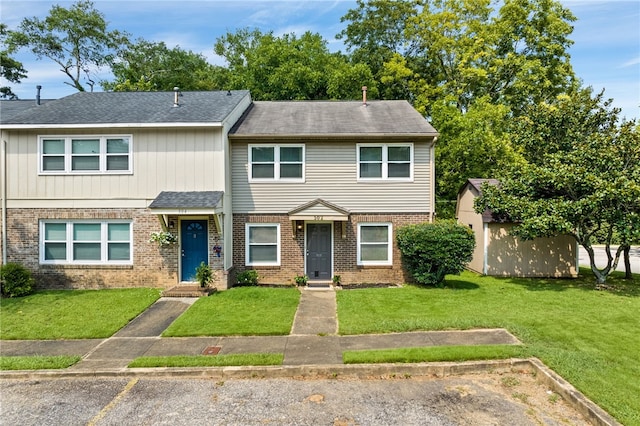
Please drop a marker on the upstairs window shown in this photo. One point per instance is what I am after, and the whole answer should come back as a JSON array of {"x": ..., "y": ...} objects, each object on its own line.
[
  {"x": 276, "y": 163},
  {"x": 85, "y": 154},
  {"x": 387, "y": 161}
]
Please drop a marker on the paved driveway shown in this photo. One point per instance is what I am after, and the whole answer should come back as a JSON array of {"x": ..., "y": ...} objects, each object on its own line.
[{"x": 601, "y": 258}]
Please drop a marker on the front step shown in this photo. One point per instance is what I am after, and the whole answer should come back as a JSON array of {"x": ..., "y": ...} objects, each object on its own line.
[
  {"x": 188, "y": 291},
  {"x": 319, "y": 284}
]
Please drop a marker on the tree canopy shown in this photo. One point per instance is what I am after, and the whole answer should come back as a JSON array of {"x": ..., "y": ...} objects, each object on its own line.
[
  {"x": 289, "y": 67},
  {"x": 76, "y": 39},
  {"x": 10, "y": 69},
  {"x": 585, "y": 182},
  {"x": 151, "y": 66}
]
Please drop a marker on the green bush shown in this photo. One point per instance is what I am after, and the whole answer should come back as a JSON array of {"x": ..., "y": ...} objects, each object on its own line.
[
  {"x": 432, "y": 250},
  {"x": 16, "y": 280},
  {"x": 248, "y": 277}
]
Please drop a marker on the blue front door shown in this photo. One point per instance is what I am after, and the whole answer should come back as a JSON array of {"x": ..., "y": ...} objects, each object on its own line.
[{"x": 194, "y": 247}]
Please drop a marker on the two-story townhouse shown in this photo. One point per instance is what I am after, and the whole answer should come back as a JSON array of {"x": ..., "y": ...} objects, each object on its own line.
[
  {"x": 319, "y": 188},
  {"x": 86, "y": 179}
]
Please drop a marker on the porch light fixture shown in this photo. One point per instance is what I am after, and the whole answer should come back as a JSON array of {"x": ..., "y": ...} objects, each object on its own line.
[{"x": 299, "y": 225}]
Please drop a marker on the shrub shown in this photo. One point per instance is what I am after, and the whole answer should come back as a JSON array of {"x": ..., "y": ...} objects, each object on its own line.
[
  {"x": 204, "y": 274},
  {"x": 432, "y": 250},
  {"x": 16, "y": 280},
  {"x": 301, "y": 280},
  {"x": 248, "y": 277}
]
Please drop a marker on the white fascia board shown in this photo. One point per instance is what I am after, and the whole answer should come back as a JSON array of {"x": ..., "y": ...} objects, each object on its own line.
[{"x": 108, "y": 125}]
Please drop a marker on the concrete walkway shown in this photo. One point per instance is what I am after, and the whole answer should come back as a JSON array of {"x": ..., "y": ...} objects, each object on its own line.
[{"x": 313, "y": 339}]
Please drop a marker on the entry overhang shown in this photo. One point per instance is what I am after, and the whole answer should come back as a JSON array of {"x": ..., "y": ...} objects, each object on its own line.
[
  {"x": 188, "y": 203},
  {"x": 319, "y": 210}
]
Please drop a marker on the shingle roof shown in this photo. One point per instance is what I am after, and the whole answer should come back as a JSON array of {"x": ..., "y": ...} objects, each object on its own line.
[
  {"x": 331, "y": 118},
  {"x": 187, "y": 200},
  {"x": 477, "y": 183},
  {"x": 131, "y": 107},
  {"x": 9, "y": 109}
]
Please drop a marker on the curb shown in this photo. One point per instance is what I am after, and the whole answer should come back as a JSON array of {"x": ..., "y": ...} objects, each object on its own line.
[{"x": 544, "y": 375}]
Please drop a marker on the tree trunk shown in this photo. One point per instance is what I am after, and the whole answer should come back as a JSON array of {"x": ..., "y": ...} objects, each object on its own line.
[{"x": 627, "y": 263}]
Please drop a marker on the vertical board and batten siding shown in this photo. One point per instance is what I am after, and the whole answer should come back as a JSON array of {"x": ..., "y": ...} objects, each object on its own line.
[
  {"x": 163, "y": 160},
  {"x": 331, "y": 174},
  {"x": 468, "y": 216}
]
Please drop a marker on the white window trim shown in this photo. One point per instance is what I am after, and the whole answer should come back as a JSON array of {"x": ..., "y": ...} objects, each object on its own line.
[
  {"x": 389, "y": 260},
  {"x": 247, "y": 245},
  {"x": 385, "y": 162},
  {"x": 68, "y": 155},
  {"x": 69, "y": 242},
  {"x": 276, "y": 163}
]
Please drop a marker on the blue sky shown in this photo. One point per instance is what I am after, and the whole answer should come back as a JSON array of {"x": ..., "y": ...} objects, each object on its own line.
[{"x": 606, "y": 53}]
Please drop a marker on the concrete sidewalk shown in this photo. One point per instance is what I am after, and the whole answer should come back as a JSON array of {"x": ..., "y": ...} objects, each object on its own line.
[{"x": 313, "y": 339}]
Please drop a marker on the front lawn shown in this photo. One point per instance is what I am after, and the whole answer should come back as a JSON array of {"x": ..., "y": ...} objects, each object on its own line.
[
  {"x": 72, "y": 314},
  {"x": 240, "y": 311},
  {"x": 589, "y": 337}
]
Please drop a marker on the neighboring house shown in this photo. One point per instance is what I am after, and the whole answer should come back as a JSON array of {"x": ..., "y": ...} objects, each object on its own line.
[
  {"x": 501, "y": 254},
  {"x": 87, "y": 178},
  {"x": 320, "y": 188},
  {"x": 314, "y": 188}
]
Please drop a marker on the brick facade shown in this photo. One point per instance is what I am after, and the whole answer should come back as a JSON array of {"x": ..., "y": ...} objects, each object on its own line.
[
  {"x": 153, "y": 266},
  {"x": 344, "y": 249}
]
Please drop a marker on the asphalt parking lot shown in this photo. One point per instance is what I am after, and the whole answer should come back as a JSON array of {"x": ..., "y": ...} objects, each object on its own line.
[{"x": 479, "y": 399}]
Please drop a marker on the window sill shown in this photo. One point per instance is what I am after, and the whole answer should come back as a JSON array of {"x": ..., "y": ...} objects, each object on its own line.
[{"x": 77, "y": 266}]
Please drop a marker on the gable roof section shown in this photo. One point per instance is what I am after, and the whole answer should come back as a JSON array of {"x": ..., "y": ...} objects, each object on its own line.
[
  {"x": 129, "y": 108},
  {"x": 475, "y": 186},
  {"x": 319, "y": 208},
  {"x": 322, "y": 119}
]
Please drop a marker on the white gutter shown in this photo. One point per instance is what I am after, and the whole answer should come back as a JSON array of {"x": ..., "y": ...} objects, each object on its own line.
[
  {"x": 3, "y": 195},
  {"x": 109, "y": 125}
]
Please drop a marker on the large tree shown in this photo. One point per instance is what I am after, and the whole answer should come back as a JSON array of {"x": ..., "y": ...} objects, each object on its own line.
[
  {"x": 584, "y": 181},
  {"x": 152, "y": 66},
  {"x": 290, "y": 67},
  {"x": 10, "y": 69},
  {"x": 516, "y": 53},
  {"x": 465, "y": 54},
  {"x": 77, "y": 39}
]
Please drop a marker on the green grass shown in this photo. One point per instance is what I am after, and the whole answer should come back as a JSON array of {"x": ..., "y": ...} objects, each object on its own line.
[
  {"x": 72, "y": 314},
  {"x": 208, "y": 360},
  {"x": 435, "y": 353},
  {"x": 37, "y": 362},
  {"x": 240, "y": 311},
  {"x": 589, "y": 337}
]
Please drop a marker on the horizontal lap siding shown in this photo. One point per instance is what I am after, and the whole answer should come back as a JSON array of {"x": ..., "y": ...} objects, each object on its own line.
[
  {"x": 331, "y": 174},
  {"x": 163, "y": 160}
]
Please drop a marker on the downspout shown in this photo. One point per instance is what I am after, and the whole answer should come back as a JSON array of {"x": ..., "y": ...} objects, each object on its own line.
[
  {"x": 433, "y": 180},
  {"x": 3, "y": 194}
]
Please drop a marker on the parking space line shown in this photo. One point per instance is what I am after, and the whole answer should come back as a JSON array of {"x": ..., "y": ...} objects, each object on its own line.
[{"x": 113, "y": 403}]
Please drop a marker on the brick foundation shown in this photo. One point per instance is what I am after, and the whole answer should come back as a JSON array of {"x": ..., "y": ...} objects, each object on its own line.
[{"x": 344, "y": 250}]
